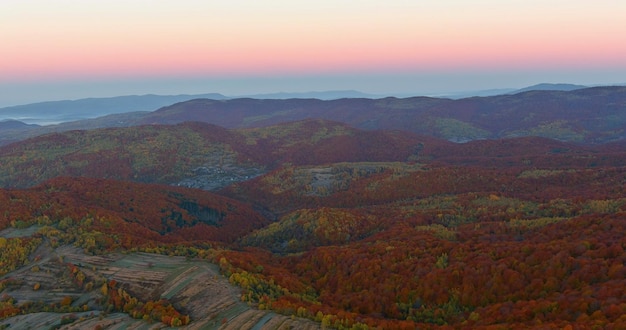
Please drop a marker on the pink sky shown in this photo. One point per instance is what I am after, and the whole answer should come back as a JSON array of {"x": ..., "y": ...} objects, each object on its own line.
[{"x": 72, "y": 40}]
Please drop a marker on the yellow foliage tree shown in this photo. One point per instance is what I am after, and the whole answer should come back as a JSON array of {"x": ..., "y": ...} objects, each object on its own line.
[{"x": 105, "y": 289}]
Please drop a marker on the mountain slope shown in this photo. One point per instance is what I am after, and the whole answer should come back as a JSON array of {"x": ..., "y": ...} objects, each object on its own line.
[
  {"x": 163, "y": 154},
  {"x": 437, "y": 245},
  {"x": 126, "y": 215},
  {"x": 586, "y": 115},
  {"x": 384, "y": 229},
  {"x": 209, "y": 157},
  {"x": 194, "y": 154},
  {"x": 590, "y": 115}
]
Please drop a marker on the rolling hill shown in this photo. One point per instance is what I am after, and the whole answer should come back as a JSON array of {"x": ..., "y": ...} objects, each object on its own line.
[
  {"x": 586, "y": 115},
  {"x": 383, "y": 244},
  {"x": 209, "y": 157},
  {"x": 590, "y": 115},
  {"x": 100, "y": 253},
  {"x": 129, "y": 214},
  {"x": 193, "y": 153},
  {"x": 314, "y": 224}
]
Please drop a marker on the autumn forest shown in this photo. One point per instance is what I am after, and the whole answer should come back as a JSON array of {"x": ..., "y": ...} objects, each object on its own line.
[{"x": 311, "y": 224}]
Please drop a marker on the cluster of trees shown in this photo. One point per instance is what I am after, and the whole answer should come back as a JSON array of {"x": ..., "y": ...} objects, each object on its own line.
[
  {"x": 160, "y": 310},
  {"x": 7, "y": 303},
  {"x": 117, "y": 299},
  {"x": 14, "y": 252},
  {"x": 306, "y": 228}
]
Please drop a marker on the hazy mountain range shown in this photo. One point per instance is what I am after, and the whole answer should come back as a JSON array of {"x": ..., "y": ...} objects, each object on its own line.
[
  {"x": 503, "y": 91},
  {"x": 55, "y": 112},
  {"x": 587, "y": 115}
]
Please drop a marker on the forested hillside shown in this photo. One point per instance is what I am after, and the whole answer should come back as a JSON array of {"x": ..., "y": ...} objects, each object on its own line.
[
  {"x": 317, "y": 224},
  {"x": 400, "y": 247},
  {"x": 170, "y": 154}
]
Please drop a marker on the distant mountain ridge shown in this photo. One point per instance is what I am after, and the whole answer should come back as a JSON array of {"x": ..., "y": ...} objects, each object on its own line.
[
  {"x": 589, "y": 115},
  {"x": 585, "y": 115},
  {"x": 71, "y": 110},
  {"x": 506, "y": 91},
  {"x": 549, "y": 87},
  {"x": 320, "y": 95},
  {"x": 8, "y": 124},
  {"x": 55, "y": 112}
]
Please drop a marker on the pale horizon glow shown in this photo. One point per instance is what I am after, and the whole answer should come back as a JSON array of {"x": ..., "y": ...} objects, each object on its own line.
[{"x": 52, "y": 48}]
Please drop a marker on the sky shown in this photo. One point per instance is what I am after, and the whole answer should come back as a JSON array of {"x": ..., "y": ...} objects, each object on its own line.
[{"x": 70, "y": 49}]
